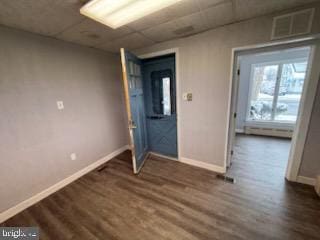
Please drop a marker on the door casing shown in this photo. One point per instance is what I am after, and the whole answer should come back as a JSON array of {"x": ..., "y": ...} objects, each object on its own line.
[
  {"x": 162, "y": 128},
  {"x": 308, "y": 96},
  {"x": 177, "y": 72}
]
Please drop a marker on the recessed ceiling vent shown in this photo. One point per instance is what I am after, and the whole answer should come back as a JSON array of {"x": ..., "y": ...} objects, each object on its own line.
[
  {"x": 184, "y": 30},
  {"x": 292, "y": 24}
]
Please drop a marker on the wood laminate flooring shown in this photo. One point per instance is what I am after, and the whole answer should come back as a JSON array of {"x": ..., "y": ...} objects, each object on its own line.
[{"x": 171, "y": 200}]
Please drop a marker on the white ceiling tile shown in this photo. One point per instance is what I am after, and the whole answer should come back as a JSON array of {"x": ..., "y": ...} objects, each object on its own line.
[
  {"x": 62, "y": 19},
  {"x": 149, "y": 21},
  {"x": 245, "y": 9},
  {"x": 204, "y": 4},
  {"x": 196, "y": 21},
  {"x": 129, "y": 42},
  {"x": 92, "y": 33},
  {"x": 41, "y": 16},
  {"x": 182, "y": 8},
  {"x": 175, "y": 11},
  {"x": 161, "y": 32},
  {"x": 177, "y": 28},
  {"x": 218, "y": 15}
]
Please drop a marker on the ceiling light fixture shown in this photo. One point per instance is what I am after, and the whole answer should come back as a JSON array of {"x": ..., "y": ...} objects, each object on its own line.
[{"x": 116, "y": 13}]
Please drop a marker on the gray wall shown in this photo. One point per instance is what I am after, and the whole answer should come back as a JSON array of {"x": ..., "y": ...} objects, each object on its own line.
[
  {"x": 204, "y": 70},
  {"x": 35, "y": 138},
  {"x": 310, "y": 166}
]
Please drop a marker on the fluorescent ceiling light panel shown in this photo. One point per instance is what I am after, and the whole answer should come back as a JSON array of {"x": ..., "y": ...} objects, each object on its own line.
[{"x": 116, "y": 13}]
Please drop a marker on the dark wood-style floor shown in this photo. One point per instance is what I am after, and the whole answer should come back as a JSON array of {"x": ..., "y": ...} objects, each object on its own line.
[
  {"x": 170, "y": 200},
  {"x": 261, "y": 159}
]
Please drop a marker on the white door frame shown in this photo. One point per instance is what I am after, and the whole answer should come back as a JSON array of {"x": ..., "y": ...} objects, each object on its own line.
[
  {"x": 177, "y": 72},
  {"x": 306, "y": 102}
]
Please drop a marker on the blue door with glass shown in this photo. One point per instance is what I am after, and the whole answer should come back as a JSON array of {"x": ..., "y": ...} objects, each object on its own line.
[
  {"x": 160, "y": 100},
  {"x": 134, "y": 96}
]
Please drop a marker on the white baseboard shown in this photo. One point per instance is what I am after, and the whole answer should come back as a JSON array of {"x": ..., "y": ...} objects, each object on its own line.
[
  {"x": 163, "y": 156},
  {"x": 273, "y": 132},
  {"x": 192, "y": 162},
  {"x": 306, "y": 180},
  {"x": 45, "y": 193},
  {"x": 238, "y": 130},
  {"x": 208, "y": 166}
]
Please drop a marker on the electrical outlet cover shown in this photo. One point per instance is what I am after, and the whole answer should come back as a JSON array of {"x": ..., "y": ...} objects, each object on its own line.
[{"x": 73, "y": 156}]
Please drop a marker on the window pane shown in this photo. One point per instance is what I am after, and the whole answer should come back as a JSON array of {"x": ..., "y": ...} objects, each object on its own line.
[
  {"x": 166, "y": 96},
  {"x": 161, "y": 91},
  {"x": 131, "y": 67},
  {"x": 137, "y": 70},
  {"x": 156, "y": 88},
  {"x": 262, "y": 92},
  {"x": 132, "y": 82},
  {"x": 138, "y": 83},
  {"x": 290, "y": 90}
]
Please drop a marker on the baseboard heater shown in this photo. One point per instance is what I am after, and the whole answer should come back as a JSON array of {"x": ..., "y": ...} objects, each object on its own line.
[{"x": 275, "y": 132}]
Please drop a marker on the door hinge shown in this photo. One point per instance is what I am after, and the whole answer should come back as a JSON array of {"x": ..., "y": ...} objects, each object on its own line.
[
  {"x": 238, "y": 72},
  {"x": 231, "y": 152},
  {"x": 235, "y": 115}
]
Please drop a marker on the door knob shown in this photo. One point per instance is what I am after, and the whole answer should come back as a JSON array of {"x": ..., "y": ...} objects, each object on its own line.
[{"x": 132, "y": 125}]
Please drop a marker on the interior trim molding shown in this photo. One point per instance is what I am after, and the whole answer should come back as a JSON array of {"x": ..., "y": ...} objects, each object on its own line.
[
  {"x": 178, "y": 104},
  {"x": 54, "y": 188},
  {"x": 204, "y": 165},
  {"x": 238, "y": 130},
  {"x": 192, "y": 162},
  {"x": 307, "y": 99},
  {"x": 163, "y": 156},
  {"x": 282, "y": 133},
  {"x": 306, "y": 180}
]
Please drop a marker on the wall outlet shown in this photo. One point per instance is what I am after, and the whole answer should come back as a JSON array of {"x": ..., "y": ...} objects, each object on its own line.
[
  {"x": 60, "y": 105},
  {"x": 73, "y": 156}
]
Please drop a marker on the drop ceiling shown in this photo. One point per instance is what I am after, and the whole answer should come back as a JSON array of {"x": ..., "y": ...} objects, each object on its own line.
[{"x": 61, "y": 19}]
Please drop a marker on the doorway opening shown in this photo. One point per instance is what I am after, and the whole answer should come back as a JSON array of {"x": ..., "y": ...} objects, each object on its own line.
[
  {"x": 150, "y": 92},
  {"x": 159, "y": 83},
  {"x": 267, "y": 98}
]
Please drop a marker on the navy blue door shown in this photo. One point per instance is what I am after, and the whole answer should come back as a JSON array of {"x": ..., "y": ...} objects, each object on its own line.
[
  {"x": 160, "y": 94},
  {"x": 132, "y": 76}
]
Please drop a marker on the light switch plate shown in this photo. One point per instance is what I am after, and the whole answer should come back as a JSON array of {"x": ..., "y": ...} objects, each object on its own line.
[
  {"x": 187, "y": 96},
  {"x": 60, "y": 105}
]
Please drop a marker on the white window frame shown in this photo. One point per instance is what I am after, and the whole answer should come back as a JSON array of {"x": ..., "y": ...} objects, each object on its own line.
[{"x": 276, "y": 92}]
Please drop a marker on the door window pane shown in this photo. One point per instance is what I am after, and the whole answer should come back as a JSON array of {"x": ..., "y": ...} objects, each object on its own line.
[
  {"x": 166, "y": 102},
  {"x": 138, "y": 82},
  {"x": 156, "y": 89},
  {"x": 137, "y": 70},
  {"x": 161, "y": 91},
  {"x": 132, "y": 82},
  {"x": 131, "y": 67},
  {"x": 290, "y": 90},
  {"x": 262, "y": 92}
]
